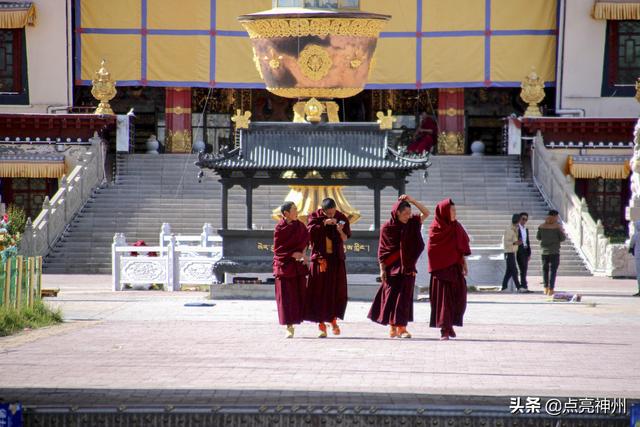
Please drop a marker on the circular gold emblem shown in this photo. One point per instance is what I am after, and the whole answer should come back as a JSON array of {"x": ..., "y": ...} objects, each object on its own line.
[{"x": 314, "y": 62}]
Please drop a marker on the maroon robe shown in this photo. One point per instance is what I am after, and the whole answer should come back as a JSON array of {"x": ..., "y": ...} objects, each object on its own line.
[
  {"x": 448, "y": 245},
  {"x": 425, "y": 136},
  {"x": 290, "y": 274},
  {"x": 327, "y": 289},
  {"x": 399, "y": 249}
]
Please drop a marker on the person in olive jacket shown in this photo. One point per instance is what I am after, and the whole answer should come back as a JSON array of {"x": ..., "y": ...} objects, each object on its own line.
[{"x": 551, "y": 235}]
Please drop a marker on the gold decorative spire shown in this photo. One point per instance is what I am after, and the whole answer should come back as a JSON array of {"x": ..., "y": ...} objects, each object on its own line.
[{"x": 104, "y": 89}]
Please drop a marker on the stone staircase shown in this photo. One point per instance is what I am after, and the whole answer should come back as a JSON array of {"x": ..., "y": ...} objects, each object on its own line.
[{"x": 152, "y": 189}]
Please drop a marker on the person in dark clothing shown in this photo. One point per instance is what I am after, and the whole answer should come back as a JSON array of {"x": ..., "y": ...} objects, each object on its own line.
[
  {"x": 550, "y": 234},
  {"x": 523, "y": 253}
]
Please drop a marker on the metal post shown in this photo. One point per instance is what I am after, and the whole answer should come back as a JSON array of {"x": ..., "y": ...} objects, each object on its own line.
[
  {"x": 376, "y": 206},
  {"x": 225, "y": 206},
  {"x": 249, "y": 203}
]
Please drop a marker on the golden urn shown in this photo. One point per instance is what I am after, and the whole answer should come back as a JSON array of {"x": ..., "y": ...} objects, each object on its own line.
[
  {"x": 532, "y": 93},
  {"x": 104, "y": 90},
  {"x": 314, "y": 48}
]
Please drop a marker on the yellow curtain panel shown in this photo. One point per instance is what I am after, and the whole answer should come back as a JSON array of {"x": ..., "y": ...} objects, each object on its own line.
[
  {"x": 426, "y": 44},
  {"x": 17, "y": 15},
  {"x": 616, "y": 10},
  {"x": 611, "y": 168},
  {"x": 32, "y": 169}
]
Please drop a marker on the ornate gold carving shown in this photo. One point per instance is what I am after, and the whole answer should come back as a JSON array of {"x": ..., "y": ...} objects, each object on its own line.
[
  {"x": 532, "y": 93},
  {"x": 104, "y": 89},
  {"x": 242, "y": 119},
  {"x": 179, "y": 141},
  {"x": 451, "y": 112},
  {"x": 256, "y": 61},
  {"x": 178, "y": 110},
  {"x": 638, "y": 91},
  {"x": 274, "y": 60},
  {"x": 315, "y": 62},
  {"x": 330, "y": 107},
  {"x": 332, "y": 112},
  {"x": 320, "y": 27},
  {"x": 313, "y": 110},
  {"x": 304, "y": 92},
  {"x": 450, "y": 143},
  {"x": 385, "y": 122},
  {"x": 298, "y": 112}
]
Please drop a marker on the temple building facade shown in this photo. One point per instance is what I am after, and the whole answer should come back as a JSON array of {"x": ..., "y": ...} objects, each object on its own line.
[{"x": 450, "y": 72}]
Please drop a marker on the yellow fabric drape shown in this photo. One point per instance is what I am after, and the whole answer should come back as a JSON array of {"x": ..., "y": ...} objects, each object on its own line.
[
  {"x": 598, "y": 170},
  {"x": 612, "y": 10},
  {"x": 17, "y": 18},
  {"x": 32, "y": 169}
]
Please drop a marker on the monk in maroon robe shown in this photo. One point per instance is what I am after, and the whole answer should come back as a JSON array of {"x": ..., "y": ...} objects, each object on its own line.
[
  {"x": 447, "y": 248},
  {"x": 326, "y": 299},
  {"x": 426, "y": 135},
  {"x": 400, "y": 247},
  {"x": 290, "y": 240}
]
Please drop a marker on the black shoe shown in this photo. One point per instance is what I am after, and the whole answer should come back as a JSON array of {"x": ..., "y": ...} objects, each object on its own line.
[{"x": 636, "y": 295}]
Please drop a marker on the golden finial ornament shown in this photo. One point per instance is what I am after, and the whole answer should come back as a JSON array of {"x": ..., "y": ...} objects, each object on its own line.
[
  {"x": 313, "y": 109},
  {"x": 532, "y": 93},
  {"x": 103, "y": 89},
  {"x": 386, "y": 122},
  {"x": 242, "y": 119}
]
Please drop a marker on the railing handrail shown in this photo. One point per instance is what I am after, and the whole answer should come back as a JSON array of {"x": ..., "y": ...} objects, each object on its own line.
[
  {"x": 72, "y": 195},
  {"x": 568, "y": 204}
]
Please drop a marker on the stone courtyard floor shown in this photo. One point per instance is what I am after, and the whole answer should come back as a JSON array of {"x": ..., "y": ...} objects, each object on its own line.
[{"x": 145, "y": 346}]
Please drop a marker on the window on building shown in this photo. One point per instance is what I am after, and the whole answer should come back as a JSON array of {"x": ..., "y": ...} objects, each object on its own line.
[
  {"x": 622, "y": 58},
  {"x": 13, "y": 67}
]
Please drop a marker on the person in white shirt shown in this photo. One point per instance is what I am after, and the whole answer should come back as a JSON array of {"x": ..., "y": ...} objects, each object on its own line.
[{"x": 523, "y": 254}]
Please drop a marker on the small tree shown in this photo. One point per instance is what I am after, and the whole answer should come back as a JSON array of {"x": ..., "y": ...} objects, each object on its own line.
[{"x": 17, "y": 220}]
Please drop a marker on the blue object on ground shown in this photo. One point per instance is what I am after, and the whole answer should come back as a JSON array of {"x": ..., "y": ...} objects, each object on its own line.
[{"x": 199, "y": 304}]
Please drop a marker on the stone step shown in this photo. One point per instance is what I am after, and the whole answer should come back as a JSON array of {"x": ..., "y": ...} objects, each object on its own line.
[{"x": 150, "y": 190}]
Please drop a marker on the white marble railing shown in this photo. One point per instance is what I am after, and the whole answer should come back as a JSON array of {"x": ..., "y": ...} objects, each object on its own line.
[
  {"x": 558, "y": 189},
  {"x": 180, "y": 260},
  {"x": 72, "y": 194}
]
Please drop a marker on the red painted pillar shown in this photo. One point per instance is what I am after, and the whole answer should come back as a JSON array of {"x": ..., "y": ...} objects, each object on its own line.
[
  {"x": 178, "y": 120},
  {"x": 451, "y": 139}
]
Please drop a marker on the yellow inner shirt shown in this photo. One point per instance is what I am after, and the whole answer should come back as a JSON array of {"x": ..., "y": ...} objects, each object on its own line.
[{"x": 329, "y": 245}]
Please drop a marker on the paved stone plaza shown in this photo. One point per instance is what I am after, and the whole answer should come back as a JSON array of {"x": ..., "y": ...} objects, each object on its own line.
[{"x": 139, "y": 346}]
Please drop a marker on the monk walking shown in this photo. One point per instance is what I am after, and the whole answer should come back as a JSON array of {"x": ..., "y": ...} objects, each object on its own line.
[
  {"x": 447, "y": 248},
  {"x": 326, "y": 299},
  {"x": 400, "y": 247},
  {"x": 290, "y": 240}
]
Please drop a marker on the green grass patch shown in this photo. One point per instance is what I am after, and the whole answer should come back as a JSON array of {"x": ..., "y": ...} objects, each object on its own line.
[{"x": 13, "y": 320}]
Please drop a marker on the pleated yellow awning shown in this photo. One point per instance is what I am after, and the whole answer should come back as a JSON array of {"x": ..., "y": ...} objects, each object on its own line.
[
  {"x": 29, "y": 166},
  {"x": 15, "y": 14},
  {"x": 616, "y": 9},
  {"x": 592, "y": 167}
]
